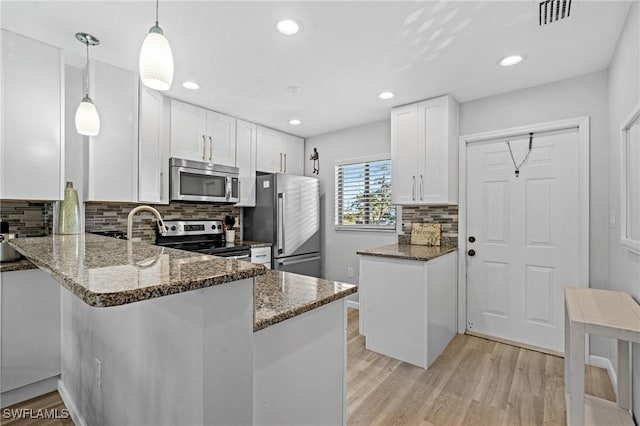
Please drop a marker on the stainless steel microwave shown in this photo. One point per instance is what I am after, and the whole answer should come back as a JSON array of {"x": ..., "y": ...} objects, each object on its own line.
[{"x": 203, "y": 182}]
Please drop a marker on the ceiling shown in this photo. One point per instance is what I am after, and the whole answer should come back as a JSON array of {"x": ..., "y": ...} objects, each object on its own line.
[{"x": 347, "y": 53}]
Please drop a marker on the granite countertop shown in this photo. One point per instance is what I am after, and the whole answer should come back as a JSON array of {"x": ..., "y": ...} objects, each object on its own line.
[
  {"x": 104, "y": 271},
  {"x": 17, "y": 265},
  {"x": 254, "y": 244},
  {"x": 409, "y": 251},
  {"x": 282, "y": 295}
]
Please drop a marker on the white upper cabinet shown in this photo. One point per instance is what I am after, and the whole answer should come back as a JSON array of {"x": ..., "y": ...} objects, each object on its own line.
[
  {"x": 279, "y": 152},
  {"x": 246, "y": 138},
  {"x": 221, "y": 139},
  {"x": 153, "y": 165},
  {"x": 293, "y": 151},
  {"x": 32, "y": 144},
  {"x": 112, "y": 169},
  {"x": 424, "y": 152},
  {"x": 201, "y": 135},
  {"x": 188, "y": 131}
]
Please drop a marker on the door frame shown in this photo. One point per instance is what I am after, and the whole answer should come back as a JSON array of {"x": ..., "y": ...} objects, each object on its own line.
[{"x": 582, "y": 124}]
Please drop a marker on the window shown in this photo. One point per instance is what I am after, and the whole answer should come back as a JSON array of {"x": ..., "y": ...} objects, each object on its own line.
[{"x": 363, "y": 194}]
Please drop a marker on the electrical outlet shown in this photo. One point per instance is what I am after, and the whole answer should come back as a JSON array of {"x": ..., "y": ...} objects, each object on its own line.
[
  {"x": 98, "y": 373},
  {"x": 349, "y": 271}
]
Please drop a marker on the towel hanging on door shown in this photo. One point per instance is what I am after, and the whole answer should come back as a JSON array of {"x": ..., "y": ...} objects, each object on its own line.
[{"x": 518, "y": 166}]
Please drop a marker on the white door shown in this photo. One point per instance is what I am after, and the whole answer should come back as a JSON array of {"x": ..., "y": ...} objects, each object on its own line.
[
  {"x": 246, "y": 162},
  {"x": 153, "y": 164},
  {"x": 404, "y": 151},
  {"x": 526, "y": 232}
]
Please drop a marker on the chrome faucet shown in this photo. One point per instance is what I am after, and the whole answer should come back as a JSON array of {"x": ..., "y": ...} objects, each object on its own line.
[{"x": 161, "y": 227}]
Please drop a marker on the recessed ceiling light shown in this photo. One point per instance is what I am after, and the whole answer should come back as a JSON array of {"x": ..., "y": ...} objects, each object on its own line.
[
  {"x": 289, "y": 26},
  {"x": 386, "y": 95},
  {"x": 295, "y": 122},
  {"x": 191, "y": 85},
  {"x": 511, "y": 60}
]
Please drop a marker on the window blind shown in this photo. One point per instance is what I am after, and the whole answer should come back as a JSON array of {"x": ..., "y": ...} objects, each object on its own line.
[{"x": 363, "y": 195}]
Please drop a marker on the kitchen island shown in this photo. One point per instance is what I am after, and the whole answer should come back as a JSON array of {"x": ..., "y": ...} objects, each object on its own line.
[
  {"x": 408, "y": 300},
  {"x": 153, "y": 335}
]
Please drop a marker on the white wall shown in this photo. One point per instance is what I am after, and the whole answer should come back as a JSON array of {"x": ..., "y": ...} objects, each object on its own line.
[
  {"x": 339, "y": 247},
  {"x": 624, "y": 96},
  {"x": 575, "y": 97}
]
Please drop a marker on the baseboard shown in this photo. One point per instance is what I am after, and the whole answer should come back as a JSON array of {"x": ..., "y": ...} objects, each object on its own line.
[
  {"x": 602, "y": 362},
  {"x": 353, "y": 304},
  {"x": 29, "y": 391},
  {"x": 77, "y": 418}
]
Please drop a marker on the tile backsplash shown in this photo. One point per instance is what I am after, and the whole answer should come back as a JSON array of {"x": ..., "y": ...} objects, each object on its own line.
[
  {"x": 27, "y": 218},
  {"x": 446, "y": 215},
  {"x": 113, "y": 216}
]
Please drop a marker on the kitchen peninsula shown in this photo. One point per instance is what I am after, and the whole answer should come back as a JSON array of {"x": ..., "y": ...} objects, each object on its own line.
[{"x": 153, "y": 335}]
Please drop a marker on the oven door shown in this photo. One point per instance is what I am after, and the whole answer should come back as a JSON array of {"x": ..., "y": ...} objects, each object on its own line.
[{"x": 189, "y": 184}]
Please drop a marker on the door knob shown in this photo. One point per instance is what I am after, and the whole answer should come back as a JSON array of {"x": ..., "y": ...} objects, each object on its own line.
[{"x": 471, "y": 252}]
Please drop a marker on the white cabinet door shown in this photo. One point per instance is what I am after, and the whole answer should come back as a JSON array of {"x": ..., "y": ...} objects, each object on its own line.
[
  {"x": 188, "y": 131},
  {"x": 270, "y": 159},
  {"x": 437, "y": 151},
  {"x": 404, "y": 147},
  {"x": 112, "y": 169},
  {"x": 153, "y": 173},
  {"x": 293, "y": 152},
  {"x": 246, "y": 137},
  {"x": 30, "y": 310},
  {"x": 221, "y": 139},
  {"x": 31, "y": 148}
]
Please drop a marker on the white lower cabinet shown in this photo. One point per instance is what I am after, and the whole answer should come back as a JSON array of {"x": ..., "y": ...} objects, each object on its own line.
[
  {"x": 31, "y": 144},
  {"x": 299, "y": 369},
  {"x": 30, "y": 323},
  {"x": 261, "y": 255},
  {"x": 408, "y": 307}
]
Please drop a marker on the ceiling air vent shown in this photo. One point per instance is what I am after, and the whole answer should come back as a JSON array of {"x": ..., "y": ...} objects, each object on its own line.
[{"x": 553, "y": 11}]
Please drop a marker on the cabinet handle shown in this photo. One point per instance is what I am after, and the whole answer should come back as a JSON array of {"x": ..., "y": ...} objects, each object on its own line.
[
  {"x": 210, "y": 148},
  {"x": 281, "y": 162},
  {"x": 204, "y": 146},
  {"x": 285, "y": 163},
  {"x": 160, "y": 186},
  {"x": 413, "y": 187},
  {"x": 240, "y": 190},
  {"x": 421, "y": 187}
]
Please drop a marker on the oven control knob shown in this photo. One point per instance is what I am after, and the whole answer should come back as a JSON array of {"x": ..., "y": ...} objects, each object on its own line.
[
  {"x": 173, "y": 227},
  {"x": 213, "y": 227},
  {"x": 219, "y": 226}
]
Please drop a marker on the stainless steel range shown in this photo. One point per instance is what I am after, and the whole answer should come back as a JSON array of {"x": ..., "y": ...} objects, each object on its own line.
[{"x": 201, "y": 236}]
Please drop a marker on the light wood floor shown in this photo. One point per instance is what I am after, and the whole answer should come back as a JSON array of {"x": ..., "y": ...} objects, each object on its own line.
[
  {"x": 49, "y": 401},
  {"x": 474, "y": 382}
]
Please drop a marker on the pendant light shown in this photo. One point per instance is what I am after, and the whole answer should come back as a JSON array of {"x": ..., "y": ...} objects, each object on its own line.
[
  {"x": 156, "y": 59},
  {"x": 87, "y": 119}
]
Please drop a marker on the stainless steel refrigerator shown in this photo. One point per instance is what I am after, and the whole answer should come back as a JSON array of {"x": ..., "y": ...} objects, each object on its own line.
[{"x": 287, "y": 214}]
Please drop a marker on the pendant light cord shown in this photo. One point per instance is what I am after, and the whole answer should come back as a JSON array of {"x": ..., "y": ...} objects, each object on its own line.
[
  {"x": 157, "y": 1},
  {"x": 88, "y": 72}
]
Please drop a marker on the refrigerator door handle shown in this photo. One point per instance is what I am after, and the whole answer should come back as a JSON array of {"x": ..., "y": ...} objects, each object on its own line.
[
  {"x": 281, "y": 221},
  {"x": 293, "y": 262}
]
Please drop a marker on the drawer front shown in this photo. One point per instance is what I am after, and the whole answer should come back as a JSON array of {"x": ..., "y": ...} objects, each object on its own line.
[{"x": 261, "y": 255}]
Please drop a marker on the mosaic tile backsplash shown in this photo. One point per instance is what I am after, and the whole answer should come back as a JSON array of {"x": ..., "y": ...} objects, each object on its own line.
[
  {"x": 35, "y": 218},
  {"x": 27, "y": 218},
  {"x": 113, "y": 216},
  {"x": 446, "y": 215}
]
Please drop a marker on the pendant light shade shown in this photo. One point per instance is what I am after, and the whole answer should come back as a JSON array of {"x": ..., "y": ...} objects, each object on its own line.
[
  {"x": 87, "y": 118},
  {"x": 156, "y": 59}
]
